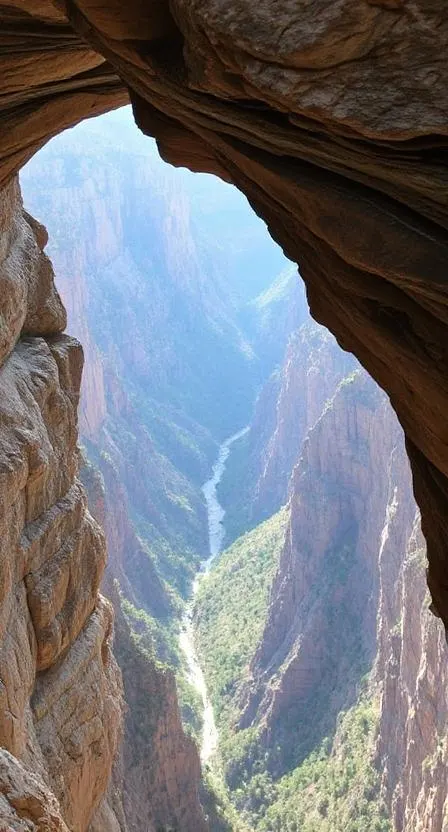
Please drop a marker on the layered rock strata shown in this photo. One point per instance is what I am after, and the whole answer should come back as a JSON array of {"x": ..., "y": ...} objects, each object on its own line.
[
  {"x": 60, "y": 688},
  {"x": 158, "y": 772}
]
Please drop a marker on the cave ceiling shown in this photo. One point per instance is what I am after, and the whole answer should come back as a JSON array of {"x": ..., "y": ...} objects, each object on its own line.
[{"x": 330, "y": 115}]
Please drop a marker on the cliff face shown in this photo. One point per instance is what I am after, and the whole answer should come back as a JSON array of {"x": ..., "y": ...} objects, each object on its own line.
[
  {"x": 313, "y": 366},
  {"x": 157, "y": 773},
  {"x": 319, "y": 636},
  {"x": 410, "y": 672},
  {"x": 61, "y": 696},
  {"x": 348, "y": 597},
  {"x": 160, "y": 763}
]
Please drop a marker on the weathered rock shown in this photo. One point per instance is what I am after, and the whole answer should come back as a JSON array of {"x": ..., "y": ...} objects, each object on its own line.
[
  {"x": 410, "y": 672},
  {"x": 60, "y": 688},
  {"x": 161, "y": 764},
  {"x": 26, "y": 803},
  {"x": 29, "y": 301}
]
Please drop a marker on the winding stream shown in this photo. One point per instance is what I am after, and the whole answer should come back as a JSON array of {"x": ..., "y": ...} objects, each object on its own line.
[{"x": 216, "y": 533}]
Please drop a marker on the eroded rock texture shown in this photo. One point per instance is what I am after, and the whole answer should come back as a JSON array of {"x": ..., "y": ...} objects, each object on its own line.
[
  {"x": 331, "y": 116},
  {"x": 60, "y": 688}
]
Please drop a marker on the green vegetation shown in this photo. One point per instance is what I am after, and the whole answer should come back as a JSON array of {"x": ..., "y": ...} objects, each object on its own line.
[
  {"x": 335, "y": 789},
  {"x": 219, "y": 810},
  {"x": 232, "y": 603},
  {"x": 159, "y": 642}
]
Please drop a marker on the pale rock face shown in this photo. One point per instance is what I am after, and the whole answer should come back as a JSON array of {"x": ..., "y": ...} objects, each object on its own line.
[
  {"x": 60, "y": 688},
  {"x": 26, "y": 804},
  {"x": 328, "y": 564}
]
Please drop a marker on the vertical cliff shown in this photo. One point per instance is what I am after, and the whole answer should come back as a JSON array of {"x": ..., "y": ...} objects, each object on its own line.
[
  {"x": 157, "y": 773},
  {"x": 319, "y": 637},
  {"x": 337, "y": 719},
  {"x": 288, "y": 405},
  {"x": 60, "y": 691},
  {"x": 410, "y": 672}
]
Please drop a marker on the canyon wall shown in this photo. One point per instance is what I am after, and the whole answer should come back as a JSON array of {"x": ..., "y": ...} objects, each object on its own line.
[
  {"x": 348, "y": 629},
  {"x": 150, "y": 249},
  {"x": 62, "y": 706},
  {"x": 61, "y": 691},
  {"x": 319, "y": 637}
]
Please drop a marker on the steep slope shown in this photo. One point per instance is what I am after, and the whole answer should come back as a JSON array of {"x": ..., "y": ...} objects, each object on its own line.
[
  {"x": 61, "y": 696},
  {"x": 335, "y": 719},
  {"x": 154, "y": 399},
  {"x": 288, "y": 405},
  {"x": 410, "y": 674},
  {"x": 157, "y": 773}
]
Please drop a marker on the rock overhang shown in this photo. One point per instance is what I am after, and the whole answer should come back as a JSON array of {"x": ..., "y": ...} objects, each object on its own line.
[{"x": 332, "y": 117}]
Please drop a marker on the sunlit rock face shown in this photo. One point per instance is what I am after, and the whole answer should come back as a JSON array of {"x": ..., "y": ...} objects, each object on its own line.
[
  {"x": 60, "y": 688},
  {"x": 331, "y": 117}
]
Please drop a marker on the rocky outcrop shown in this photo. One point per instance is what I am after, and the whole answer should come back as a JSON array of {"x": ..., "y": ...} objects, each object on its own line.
[
  {"x": 60, "y": 688},
  {"x": 161, "y": 766}
]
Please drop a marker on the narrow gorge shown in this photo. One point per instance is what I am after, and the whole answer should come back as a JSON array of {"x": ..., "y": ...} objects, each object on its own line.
[{"x": 205, "y": 628}]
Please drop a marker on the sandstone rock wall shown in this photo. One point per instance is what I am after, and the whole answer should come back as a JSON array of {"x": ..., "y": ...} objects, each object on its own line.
[
  {"x": 333, "y": 618},
  {"x": 410, "y": 671},
  {"x": 60, "y": 688}
]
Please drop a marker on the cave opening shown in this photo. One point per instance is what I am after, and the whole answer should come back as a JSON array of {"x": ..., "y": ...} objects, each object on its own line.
[
  {"x": 297, "y": 629},
  {"x": 331, "y": 708}
]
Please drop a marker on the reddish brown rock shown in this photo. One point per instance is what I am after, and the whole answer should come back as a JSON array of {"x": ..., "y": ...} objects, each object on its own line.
[
  {"x": 60, "y": 688},
  {"x": 160, "y": 764}
]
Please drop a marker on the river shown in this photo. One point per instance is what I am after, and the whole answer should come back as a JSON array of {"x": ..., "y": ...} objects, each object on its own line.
[{"x": 216, "y": 534}]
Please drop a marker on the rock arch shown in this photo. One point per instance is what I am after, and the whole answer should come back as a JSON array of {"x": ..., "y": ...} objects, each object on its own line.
[{"x": 331, "y": 116}]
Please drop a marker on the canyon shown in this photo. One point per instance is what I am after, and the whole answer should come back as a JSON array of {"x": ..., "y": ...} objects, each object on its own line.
[
  {"x": 321, "y": 127},
  {"x": 330, "y": 712},
  {"x": 151, "y": 418},
  {"x": 336, "y": 132}
]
